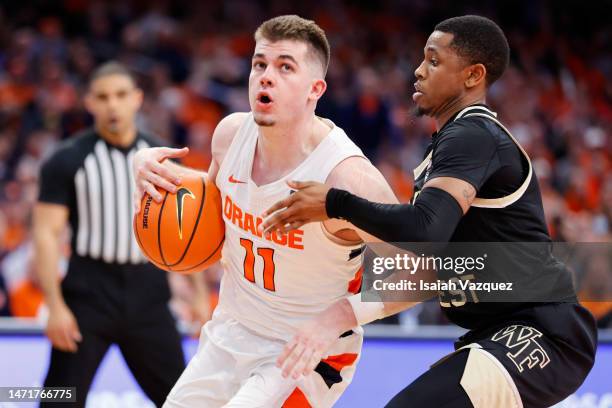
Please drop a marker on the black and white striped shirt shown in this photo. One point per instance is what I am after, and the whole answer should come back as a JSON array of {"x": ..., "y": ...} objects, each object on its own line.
[{"x": 94, "y": 180}]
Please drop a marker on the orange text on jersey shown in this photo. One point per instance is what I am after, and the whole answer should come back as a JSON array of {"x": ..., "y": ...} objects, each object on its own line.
[{"x": 250, "y": 223}]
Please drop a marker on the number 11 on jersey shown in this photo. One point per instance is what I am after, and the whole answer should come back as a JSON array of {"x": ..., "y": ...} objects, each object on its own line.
[{"x": 267, "y": 254}]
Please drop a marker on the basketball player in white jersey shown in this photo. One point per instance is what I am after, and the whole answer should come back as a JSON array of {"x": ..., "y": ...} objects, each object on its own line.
[{"x": 273, "y": 284}]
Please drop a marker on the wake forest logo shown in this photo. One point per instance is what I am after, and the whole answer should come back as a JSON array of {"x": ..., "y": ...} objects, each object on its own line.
[
  {"x": 180, "y": 201},
  {"x": 524, "y": 347}
]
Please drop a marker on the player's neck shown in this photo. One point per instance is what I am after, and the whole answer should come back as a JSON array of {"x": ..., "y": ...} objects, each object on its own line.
[
  {"x": 121, "y": 139},
  {"x": 448, "y": 111},
  {"x": 280, "y": 150}
]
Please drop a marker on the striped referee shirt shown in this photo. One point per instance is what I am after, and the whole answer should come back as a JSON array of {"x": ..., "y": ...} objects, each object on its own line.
[{"x": 94, "y": 179}]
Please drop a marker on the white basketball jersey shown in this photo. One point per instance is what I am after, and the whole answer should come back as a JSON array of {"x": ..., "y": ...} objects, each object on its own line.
[{"x": 272, "y": 284}]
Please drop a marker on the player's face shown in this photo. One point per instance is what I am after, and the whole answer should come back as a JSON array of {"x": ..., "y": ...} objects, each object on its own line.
[
  {"x": 440, "y": 77},
  {"x": 114, "y": 100},
  {"x": 281, "y": 82}
]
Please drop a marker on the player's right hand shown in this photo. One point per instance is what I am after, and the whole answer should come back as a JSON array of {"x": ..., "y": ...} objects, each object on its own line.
[
  {"x": 150, "y": 172},
  {"x": 62, "y": 329}
]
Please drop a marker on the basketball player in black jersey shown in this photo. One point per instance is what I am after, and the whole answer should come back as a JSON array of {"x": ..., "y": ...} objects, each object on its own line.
[
  {"x": 475, "y": 185},
  {"x": 110, "y": 294}
]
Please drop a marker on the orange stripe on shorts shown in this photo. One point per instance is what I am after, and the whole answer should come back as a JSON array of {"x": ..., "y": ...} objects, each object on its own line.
[
  {"x": 354, "y": 285},
  {"x": 297, "y": 399},
  {"x": 341, "y": 360}
]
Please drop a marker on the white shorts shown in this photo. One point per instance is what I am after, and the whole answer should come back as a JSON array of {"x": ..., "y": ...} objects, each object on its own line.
[{"x": 235, "y": 367}]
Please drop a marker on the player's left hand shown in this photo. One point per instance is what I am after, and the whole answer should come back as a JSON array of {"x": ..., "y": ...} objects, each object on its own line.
[{"x": 306, "y": 205}]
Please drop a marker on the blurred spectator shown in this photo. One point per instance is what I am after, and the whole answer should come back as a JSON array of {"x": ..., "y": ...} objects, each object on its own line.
[
  {"x": 595, "y": 284},
  {"x": 4, "y": 300},
  {"x": 24, "y": 294},
  {"x": 16, "y": 89}
]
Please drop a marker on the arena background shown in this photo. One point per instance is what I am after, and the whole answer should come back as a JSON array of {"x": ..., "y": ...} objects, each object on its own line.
[{"x": 192, "y": 60}]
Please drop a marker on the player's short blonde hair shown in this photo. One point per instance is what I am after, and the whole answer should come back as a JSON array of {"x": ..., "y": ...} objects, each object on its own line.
[{"x": 292, "y": 27}]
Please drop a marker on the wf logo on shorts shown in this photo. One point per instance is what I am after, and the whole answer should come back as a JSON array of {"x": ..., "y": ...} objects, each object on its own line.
[{"x": 526, "y": 350}]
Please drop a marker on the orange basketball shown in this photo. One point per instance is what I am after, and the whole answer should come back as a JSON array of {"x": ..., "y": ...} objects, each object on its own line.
[{"x": 185, "y": 232}]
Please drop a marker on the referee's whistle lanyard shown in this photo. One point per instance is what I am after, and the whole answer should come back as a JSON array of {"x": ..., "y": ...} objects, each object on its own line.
[{"x": 500, "y": 202}]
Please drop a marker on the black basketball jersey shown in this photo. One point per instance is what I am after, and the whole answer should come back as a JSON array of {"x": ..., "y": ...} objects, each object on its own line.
[
  {"x": 94, "y": 179},
  {"x": 477, "y": 149}
]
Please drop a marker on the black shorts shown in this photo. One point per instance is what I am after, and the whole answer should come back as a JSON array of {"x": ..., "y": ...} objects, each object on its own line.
[{"x": 520, "y": 364}]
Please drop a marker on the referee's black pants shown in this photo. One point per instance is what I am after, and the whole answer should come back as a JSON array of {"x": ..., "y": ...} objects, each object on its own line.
[{"x": 126, "y": 306}]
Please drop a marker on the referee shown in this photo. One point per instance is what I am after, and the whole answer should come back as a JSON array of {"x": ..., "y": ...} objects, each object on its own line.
[
  {"x": 476, "y": 184},
  {"x": 110, "y": 294}
]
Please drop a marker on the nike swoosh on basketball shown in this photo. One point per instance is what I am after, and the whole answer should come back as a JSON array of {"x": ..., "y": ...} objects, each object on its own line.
[
  {"x": 231, "y": 179},
  {"x": 180, "y": 200}
]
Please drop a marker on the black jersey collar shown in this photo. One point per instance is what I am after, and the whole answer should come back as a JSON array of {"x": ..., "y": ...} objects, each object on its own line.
[{"x": 452, "y": 118}]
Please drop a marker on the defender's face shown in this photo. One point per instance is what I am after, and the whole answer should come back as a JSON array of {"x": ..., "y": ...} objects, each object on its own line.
[
  {"x": 439, "y": 77},
  {"x": 113, "y": 100},
  {"x": 280, "y": 81}
]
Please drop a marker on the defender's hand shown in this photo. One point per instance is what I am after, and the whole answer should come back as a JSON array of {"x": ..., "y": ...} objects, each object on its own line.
[
  {"x": 307, "y": 348},
  {"x": 313, "y": 340},
  {"x": 150, "y": 172},
  {"x": 306, "y": 205}
]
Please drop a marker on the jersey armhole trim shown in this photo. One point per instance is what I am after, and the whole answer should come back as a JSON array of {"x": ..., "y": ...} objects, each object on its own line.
[{"x": 500, "y": 202}]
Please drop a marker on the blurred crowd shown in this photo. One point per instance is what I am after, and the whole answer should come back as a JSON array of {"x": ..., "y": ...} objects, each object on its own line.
[{"x": 193, "y": 58}]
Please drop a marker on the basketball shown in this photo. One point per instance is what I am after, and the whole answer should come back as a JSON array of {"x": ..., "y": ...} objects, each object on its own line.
[{"x": 184, "y": 233}]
